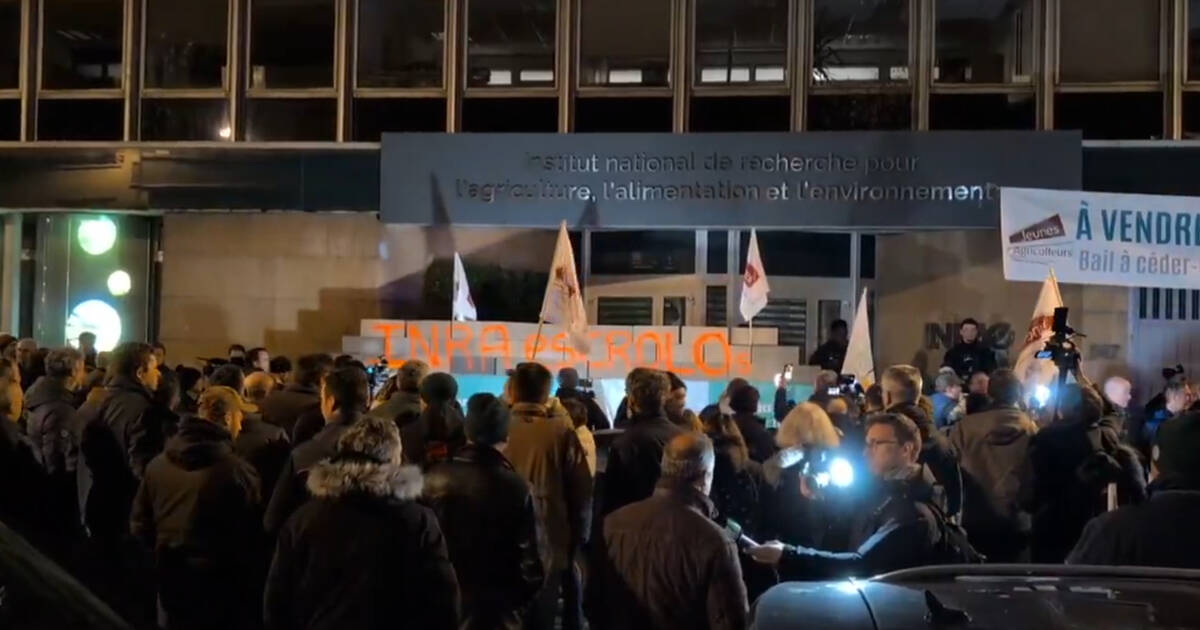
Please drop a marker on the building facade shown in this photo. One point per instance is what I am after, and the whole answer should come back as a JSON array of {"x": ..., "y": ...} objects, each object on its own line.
[{"x": 237, "y": 142}]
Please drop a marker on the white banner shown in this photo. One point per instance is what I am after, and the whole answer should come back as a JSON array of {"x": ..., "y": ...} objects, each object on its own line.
[{"x": 1101, "y": 238}]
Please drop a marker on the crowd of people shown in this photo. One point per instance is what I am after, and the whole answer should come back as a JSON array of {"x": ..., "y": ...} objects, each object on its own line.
[{"x": 262, "y": 493}]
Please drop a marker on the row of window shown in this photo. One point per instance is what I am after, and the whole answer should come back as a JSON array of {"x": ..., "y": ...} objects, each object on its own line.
[{"x": 401, "y": 43}]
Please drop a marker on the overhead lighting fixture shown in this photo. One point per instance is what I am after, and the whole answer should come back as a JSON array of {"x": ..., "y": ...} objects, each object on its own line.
[{"x": 97, "y": 236}]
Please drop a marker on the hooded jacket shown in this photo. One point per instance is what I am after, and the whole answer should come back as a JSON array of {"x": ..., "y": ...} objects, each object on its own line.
[
  {"x": 50, "y": 406},
  {"x": 362, "y": 555},
  {"x": 545, "y": 451},
  {"x": 900, "y": 532},
  {"x": 197, "y": 509},
  {"x": 115, "y": 444},
  {"x": 993, "y": 449},
  {"x": 265, "y": 447},
  {"x": 290, "y": 489},
  {"x": 663, "y": 563},
  {"x": 485, "y": 510},
  {"x": 937, "y": 455},
  {"x": 635, "y": 461}
]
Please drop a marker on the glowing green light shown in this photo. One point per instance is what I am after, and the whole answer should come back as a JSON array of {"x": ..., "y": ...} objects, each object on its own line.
[
  {"x": 98, "y": 235},
  {"x": 119, "y": 283},
  {"x": 98, "y": 317}
]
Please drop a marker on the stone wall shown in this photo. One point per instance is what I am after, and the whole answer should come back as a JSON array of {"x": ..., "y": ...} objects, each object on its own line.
[{"x": 296, "y": 283}]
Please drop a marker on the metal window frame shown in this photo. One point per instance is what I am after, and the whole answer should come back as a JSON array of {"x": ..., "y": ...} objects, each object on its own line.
[
  {"x": 189, "y": 92},
  {"x": 1006, "y": 87},
  {"x": 1148, "y": 85},
  {"x": 610, "y": 90},
  {"x": 482, "y": 91},
  {"x": 305, "y": 92},
  {"x": 870, "y": 87},
  {"x": 782, "y": 88},
  {"x": 358, "y": 91}
]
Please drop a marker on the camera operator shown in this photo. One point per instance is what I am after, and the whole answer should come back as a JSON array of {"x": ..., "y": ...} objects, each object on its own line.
[
  {"x": 791, "y": 511},
  {"x": 569, "y": 389},
  {"x": 904, "y": 527},
  {"x": 971, "y": 354}
]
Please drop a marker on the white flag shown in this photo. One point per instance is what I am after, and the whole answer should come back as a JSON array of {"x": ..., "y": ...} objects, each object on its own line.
[
  {"x": 754, "y": 282},
  {"x": 563, "y": 303},
  {"x": 1031, "y": 370},
  {"x": 464, "y": 306},
  {"x": 859, "y": 360}
]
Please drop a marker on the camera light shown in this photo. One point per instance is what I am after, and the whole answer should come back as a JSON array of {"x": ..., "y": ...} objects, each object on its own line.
[
  {"x": 841, "y": 473},
  {"x": 1041, "y": 394}
]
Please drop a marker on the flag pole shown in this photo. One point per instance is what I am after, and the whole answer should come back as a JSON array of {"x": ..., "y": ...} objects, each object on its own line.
[
  {"x": 537, "y": 339},
  {"x": 751, "y": 343}
]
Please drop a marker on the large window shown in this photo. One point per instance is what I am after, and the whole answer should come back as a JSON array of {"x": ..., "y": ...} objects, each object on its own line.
[
  {"x": 860, "y": 40},
  {"x": 511, "y": 43},
  {"x": 10, "y": 43},
  {"x": 291, "y": 44},
  {"x": 738, "y": 41},
  {"x": 1109, "y": 40},
  {"x": 186, "y": 43},
  {"x": 280, "y": 119},
  {"x": 82, "y": 44},
  {"x": 1193, "y": 13},
  {"x": 185, "y": 119},
  {"x": 80, "y": 119},
  {"x": 625, "y": 42},
  {"x": 984, "y": 41},
  {"x": 643, "y": 252},
  {"x": 855, "y": 112},
  {"x": 401, "y": 43},
  {"x": 1111, "y": 116}
]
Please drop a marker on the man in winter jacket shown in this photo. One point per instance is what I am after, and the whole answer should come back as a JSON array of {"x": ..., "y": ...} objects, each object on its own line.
[
  {"x": 993, "y": 448},
  {"x": 971, "y": 354},
  {"x": 363, "y": 554},
  {"x": 344, "y": 396},
  {"x": 1155, "y": 533},
  {"x": 404, "y": 403},
  {"x": 264, "y": 445},
  {"x": 901, "y": 386},
  {"x": 116, "y": 442},
  {"x": 902, "y": 530},
  {"x": 545, "y": 451},
  {"x": 50, "y": 406},
  {"x": 197, "y": 510},
  {"x": 662, "y": 561},
  {"x": 284, "y": 407},
  {"x": 568, "y": 389},
  {"x": 635, "y": 457},
  {"x": 485, "y": 510}
]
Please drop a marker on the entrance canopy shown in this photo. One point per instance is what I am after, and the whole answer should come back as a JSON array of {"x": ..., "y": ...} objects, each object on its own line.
[{"x": 837, "y": 180}]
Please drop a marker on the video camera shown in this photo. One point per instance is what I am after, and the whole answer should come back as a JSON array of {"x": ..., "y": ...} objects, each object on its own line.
[
  {"x": 1061, "y": 348},
  {"x": 847, "y": 385},
  {"x": 378, "y": 374}
]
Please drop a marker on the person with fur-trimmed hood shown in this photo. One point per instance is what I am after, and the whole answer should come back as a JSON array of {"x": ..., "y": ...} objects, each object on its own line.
[{"x": 363, "y": 554}]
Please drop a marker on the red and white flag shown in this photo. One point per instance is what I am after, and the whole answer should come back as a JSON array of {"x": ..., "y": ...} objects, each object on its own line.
[
  {"x": 1029, "y": 369},
  {"x": 563, "y": 303},
  {"x": 464, "y": 306},
  {"x": 754, "y": 282}
]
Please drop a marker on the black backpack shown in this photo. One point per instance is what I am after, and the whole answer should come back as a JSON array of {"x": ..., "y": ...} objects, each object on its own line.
[{"x": 952, "y": 546}]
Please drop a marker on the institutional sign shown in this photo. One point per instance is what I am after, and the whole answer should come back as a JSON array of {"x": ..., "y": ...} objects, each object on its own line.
[
  {"x": 1101, "y": 238},
  {"x": 882, "y": 180}
]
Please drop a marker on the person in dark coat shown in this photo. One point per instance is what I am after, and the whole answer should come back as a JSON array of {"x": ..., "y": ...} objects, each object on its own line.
[
  {"x": 1151, "y": 534},
  {"x": 722, "y": 404},
  {"x": 662, "y": 562},
  {"x": 993, "y": 448},
  {"x": 49, "y": 403},
  {"x": 344, "y": 395},
  {"x": 568, "y": 389},
  {"x": 284, "y": 407},
  {"x": 635, "y": 457},
  {"x": 116, "y": 442},
  {"x": 438, "y": 433},
  {"x": 743, "y": 401},
  {"x": 901, "y": 530},
  {"x": 197, "y": 510},
  {"x": 790, "y": 512},
  {"x": 971, "y": 354},
  {"x": 737, "y": 488},
  {"x": 364, "y": 554},
  {"x": 1074, "y": 459},
  {"x": 831, "y": 354},
  {"x": 191, "y": 385},
  {"x": 401, "y": 398},
  {"x": 264, "y": 445},
  {"x": 21, "y": 488},
  {"x": 27, "y": 359},
  {"x": 485, "y": 510},
  {"x": 901, "y": 393}
]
